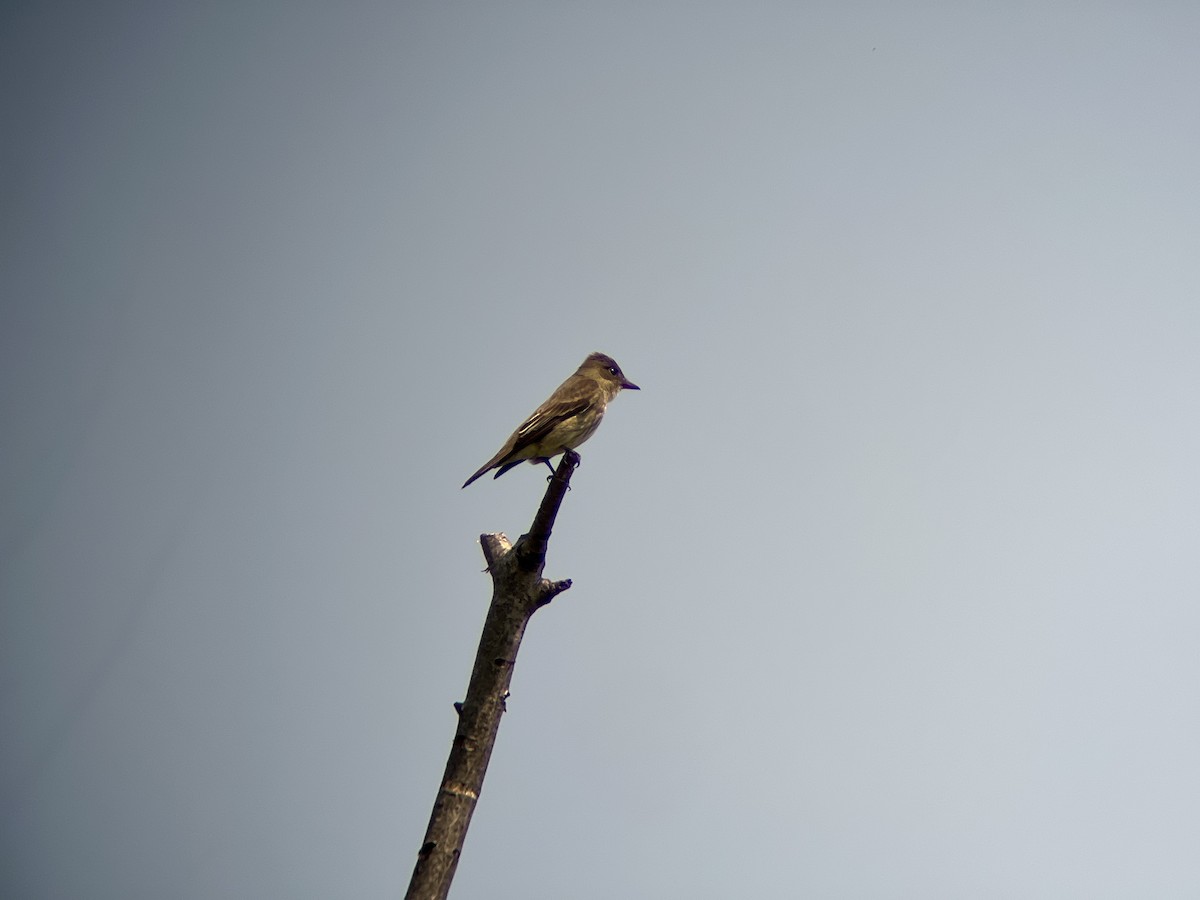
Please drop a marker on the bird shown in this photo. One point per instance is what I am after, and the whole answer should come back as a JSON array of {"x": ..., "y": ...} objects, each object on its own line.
[{"x": 568, "y": 417}]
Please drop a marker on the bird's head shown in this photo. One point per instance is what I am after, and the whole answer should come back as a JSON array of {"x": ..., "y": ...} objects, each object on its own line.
[{"x": 604, "y": 369}]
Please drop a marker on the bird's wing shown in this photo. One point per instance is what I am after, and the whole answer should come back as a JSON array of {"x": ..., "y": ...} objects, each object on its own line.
[{"x": 545, "y": 419}]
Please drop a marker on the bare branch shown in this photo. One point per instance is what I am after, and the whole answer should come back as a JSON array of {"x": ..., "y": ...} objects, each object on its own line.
[
  {"x": 518, "y": 591},
  {"x": 531, "y": 547}
]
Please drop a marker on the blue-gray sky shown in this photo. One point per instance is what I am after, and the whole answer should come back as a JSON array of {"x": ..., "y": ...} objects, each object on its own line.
[{"x": 885, "y": 583}]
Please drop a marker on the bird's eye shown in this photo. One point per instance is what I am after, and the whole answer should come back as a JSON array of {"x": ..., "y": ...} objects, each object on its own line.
[{"x": 612, "y": 370}]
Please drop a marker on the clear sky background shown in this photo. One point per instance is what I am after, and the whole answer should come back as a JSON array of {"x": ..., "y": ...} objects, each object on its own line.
[{"x": 886, "y": 583}]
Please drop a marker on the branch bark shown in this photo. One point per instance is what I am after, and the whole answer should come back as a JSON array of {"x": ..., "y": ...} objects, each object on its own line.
[{"x": 518, "y": 591}]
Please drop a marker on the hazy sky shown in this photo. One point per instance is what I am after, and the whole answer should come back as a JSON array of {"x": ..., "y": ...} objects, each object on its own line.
[{"x": 886, "y": 583}]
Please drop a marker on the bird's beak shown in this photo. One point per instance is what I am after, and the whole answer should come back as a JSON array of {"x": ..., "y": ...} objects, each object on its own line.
[{"x": 630, "y": 386}]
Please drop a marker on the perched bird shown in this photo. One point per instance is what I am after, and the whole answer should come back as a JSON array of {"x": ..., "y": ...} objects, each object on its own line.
[{"x": 566, "y": 419}]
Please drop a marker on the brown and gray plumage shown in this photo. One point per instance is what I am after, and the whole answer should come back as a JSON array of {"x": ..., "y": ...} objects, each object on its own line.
[{"x": 567, "y": 419}]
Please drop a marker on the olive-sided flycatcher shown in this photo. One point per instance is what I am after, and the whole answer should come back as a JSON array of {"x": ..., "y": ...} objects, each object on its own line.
[{"x": 566, "y": 419}]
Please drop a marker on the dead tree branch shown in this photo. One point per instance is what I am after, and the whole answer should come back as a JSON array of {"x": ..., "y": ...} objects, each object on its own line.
[{"x": 518, "y": 591}]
